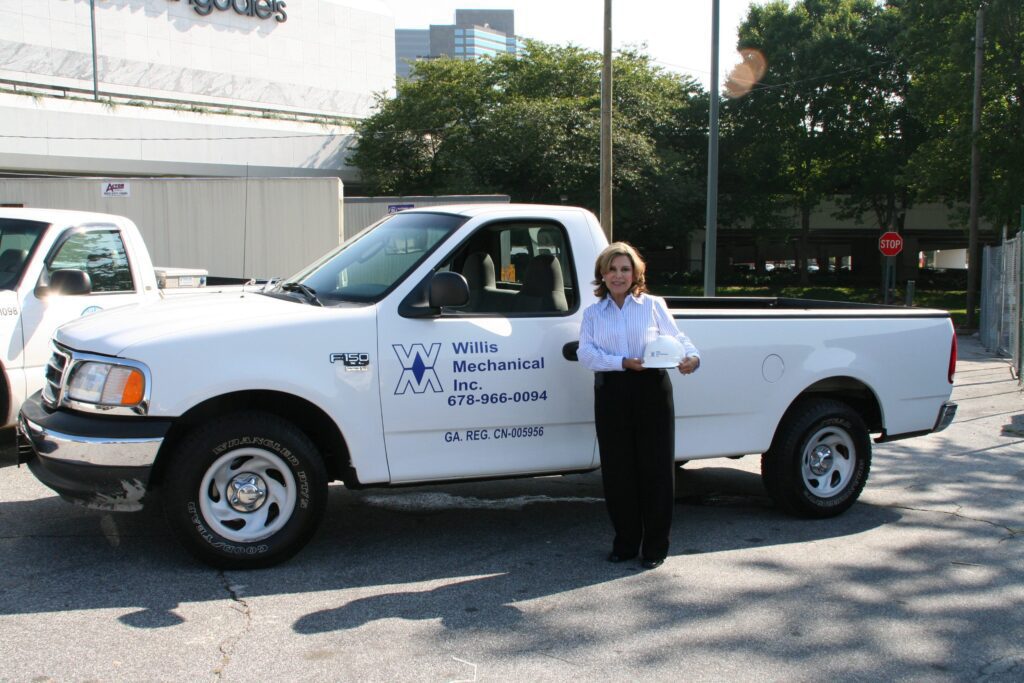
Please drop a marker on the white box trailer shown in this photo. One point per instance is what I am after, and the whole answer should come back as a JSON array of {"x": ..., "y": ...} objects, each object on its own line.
[{"x": 229, "y": 227}]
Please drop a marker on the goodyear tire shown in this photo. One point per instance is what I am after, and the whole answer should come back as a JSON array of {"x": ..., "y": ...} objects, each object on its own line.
[
  {"x": 819, "y": 461},
  {"x": 245, "y": 491}
]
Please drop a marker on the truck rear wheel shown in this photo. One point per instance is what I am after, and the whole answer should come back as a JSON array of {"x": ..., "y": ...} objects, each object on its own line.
[
  {"x": 819, "y": 461},
  {"x": 245, "y": 491}
]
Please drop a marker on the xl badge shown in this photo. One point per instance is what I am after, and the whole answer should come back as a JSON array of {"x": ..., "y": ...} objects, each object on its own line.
[
  {"x": 353, "y": 362},
  {"x": 417, "y": 368}
]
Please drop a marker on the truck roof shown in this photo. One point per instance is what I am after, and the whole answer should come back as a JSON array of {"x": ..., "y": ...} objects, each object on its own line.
[
  {"x": 64, "y": 216},
  {"x": 471, "y": 210}
]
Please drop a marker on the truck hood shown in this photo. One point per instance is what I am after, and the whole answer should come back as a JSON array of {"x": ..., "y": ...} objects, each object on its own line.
[{"x": 210, "y": 316}]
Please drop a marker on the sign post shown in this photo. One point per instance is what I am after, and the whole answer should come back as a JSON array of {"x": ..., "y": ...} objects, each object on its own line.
[{"x": 890, "y": 244}]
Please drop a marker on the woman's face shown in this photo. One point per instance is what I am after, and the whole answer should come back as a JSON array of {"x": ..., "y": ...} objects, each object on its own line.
[{"x": 619, "y": 276}]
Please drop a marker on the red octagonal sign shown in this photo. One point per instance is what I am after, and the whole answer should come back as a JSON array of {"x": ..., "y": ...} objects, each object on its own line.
[{"x": 890, "y": 243}]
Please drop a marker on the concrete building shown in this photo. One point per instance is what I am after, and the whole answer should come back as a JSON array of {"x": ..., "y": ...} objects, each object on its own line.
[{"x": 189, "y": 87}]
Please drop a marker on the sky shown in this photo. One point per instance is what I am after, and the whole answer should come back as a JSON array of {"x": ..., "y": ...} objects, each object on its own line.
[{"x": 677, "y": 33}]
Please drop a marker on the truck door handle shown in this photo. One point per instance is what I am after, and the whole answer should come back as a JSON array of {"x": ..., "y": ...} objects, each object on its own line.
[{"x": 570, "y": 349}]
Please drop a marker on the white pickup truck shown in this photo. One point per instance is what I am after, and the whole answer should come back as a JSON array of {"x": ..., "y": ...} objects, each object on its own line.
[
  {"x": 439, "y": 345},
  {"x": 56, "y": 266}
]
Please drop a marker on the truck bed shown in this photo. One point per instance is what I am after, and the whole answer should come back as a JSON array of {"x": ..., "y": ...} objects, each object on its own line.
[{"x": 785, "y": 307}]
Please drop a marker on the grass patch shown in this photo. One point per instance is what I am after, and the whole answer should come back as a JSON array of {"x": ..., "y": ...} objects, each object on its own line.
[{"x": 954, "y": 301}]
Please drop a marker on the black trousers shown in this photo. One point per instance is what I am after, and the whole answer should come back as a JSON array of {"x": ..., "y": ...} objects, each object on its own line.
[{"x": 635, "y": 418}]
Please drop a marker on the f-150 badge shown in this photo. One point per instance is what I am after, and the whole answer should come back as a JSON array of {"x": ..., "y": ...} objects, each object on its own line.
[{"x": 353, "y": 362}]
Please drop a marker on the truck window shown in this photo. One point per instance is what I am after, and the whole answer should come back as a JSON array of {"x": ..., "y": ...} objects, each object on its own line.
[
  {"x": 516, "y": 268},
  {"x": 366, "y": 268},
  {"x": 101, "y": 254},
  {"x": 17, "y": 240}
]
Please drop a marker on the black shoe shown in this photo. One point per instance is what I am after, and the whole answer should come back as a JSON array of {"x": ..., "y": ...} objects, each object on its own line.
[
  {"x": 651, "y": 564},
  {"x": 616, "y": 557}
]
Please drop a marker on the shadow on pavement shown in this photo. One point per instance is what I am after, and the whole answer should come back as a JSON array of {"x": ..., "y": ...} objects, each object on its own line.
[{"x": 60, "y": 557}]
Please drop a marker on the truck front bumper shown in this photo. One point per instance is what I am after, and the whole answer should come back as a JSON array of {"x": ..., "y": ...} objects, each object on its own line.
[{"x": 95, "y": 461}]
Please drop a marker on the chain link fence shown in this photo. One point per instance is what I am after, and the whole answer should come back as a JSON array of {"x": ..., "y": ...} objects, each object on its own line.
[{"x": 1000, "y": 320}]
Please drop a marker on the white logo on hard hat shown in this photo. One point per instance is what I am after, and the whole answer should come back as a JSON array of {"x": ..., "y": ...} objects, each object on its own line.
[{"x": 664, "y": 352}]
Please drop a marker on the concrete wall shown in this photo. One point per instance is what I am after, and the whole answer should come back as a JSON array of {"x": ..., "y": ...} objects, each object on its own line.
[
  {"x": 233, "y": 227},
  {"x": 56, "y": 135}
]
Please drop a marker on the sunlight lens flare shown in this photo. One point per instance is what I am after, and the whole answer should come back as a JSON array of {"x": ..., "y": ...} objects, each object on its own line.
[{"x": 745, "y": 75}]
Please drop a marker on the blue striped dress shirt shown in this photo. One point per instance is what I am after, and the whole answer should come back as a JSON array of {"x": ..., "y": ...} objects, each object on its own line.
[{"x": 609, "y": 333}]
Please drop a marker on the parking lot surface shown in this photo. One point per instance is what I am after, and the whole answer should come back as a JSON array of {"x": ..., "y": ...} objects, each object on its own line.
[{"x": 923, "y": 579}]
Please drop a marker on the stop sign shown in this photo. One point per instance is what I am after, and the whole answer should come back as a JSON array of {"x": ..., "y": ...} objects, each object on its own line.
[{"x": 890, "y": 243}]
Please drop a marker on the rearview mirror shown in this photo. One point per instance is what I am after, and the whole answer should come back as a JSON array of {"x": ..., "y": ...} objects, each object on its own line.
[
  {"x": 448, "y": 289},
  {"x": 67, "y": 282},
  {"x": 435, "y": 291}
]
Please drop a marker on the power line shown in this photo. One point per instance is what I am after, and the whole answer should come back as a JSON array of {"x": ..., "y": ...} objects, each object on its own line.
[{"x": 774, "y": 86}]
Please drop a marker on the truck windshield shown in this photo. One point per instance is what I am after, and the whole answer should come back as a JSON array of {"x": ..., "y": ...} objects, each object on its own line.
[
  {"x": 17, "y": 240},
  {"x": 367, "y": 267}
]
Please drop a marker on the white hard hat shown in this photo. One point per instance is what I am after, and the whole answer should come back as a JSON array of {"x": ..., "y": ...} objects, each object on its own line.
[{"x": 664, "y": 352}]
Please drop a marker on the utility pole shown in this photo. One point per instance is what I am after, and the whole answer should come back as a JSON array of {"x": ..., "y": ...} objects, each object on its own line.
[
  {"x": 606, "y": 125},
  {"x": 711, "y": 216},
  {"x": 973, "y": 257},
  {"x": 92, "y": 25}
]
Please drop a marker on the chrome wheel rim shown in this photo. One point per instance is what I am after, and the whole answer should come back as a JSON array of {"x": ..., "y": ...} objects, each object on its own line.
[
  {"x": 828, "y": 462},
  {"x": 247, "y": 495}
]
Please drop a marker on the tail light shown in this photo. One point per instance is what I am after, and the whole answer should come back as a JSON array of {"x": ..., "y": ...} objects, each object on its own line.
[{"x": 952, "y": 358}]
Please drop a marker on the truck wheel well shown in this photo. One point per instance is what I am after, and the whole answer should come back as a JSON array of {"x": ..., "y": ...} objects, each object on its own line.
[
  {"x": 308, "y": 417},
  {"x": 850, "y": 391}
]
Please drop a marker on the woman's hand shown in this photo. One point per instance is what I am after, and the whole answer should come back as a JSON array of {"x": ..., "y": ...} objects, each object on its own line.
[
  {"x": 632, "y": 364},
  {"x": 689, "y": 364}
]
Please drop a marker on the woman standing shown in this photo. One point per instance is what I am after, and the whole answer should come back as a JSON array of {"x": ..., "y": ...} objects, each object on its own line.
[{"x": 633, "y": 406}]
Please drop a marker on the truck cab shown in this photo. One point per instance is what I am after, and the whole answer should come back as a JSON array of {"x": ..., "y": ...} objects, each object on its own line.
[{"x": 43, "y": 254}]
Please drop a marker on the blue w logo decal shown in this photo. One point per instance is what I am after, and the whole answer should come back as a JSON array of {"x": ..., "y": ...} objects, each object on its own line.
[{"x": 418, "y": 368}]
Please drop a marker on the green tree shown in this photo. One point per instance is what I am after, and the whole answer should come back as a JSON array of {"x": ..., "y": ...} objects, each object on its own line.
[
  {"x": 938, "y": 45},
  {"x": 799, "y": 125},
  {"x": 528, "y": 126}
]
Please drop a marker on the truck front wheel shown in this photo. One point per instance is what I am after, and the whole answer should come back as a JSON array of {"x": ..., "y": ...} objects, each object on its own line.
[
  {"x": 819, "y": 461},
  {"x": 245, "y": 491}
]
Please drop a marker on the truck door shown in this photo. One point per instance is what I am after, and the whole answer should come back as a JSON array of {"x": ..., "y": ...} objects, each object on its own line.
[
  {"x": 484, "y": 389},
  {"x": 100, "y": 252}
]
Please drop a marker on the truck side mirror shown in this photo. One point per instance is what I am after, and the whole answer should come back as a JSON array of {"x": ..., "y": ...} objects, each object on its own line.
[
  {"x": 67, "y": 281},
  {"x": 437, "y": 290},
  {"x": 448, "y": 289}
]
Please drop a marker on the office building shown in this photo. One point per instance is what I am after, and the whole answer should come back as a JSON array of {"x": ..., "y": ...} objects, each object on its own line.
[{"x": 476, "y": 34}]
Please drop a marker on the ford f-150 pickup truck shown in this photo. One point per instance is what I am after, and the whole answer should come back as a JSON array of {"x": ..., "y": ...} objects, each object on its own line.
[
  {"x": 55, "y": 266},
  {"x": 439, "y": 345}
]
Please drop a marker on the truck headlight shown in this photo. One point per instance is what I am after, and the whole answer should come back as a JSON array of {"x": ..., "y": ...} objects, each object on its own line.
[{"x": 107, "y": 385}]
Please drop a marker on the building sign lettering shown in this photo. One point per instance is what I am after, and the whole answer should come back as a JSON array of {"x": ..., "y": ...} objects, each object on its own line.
[{"x": 263, "y": 9}]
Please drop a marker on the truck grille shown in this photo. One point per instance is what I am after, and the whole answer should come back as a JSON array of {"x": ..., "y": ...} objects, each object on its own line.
[{"x": 55, "y": 376}]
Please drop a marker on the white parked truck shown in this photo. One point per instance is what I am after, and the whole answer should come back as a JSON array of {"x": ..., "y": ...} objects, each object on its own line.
[
  {"x": 56, "y": 266},
  {"x": 439, "y": 345}
]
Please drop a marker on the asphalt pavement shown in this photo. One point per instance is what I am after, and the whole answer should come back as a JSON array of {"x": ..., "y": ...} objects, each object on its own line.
[{"x": 923, "y": 579}]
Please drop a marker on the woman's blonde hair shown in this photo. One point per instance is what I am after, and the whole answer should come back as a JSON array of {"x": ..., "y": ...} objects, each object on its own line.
[{"x": 604, "y": 264}]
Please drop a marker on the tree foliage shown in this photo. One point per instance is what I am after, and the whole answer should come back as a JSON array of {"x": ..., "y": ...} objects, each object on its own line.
[
  {"x": 530, "y": 127},
  {"x": 861, "y": 100},
  {"x": 938, "y": 45}
]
